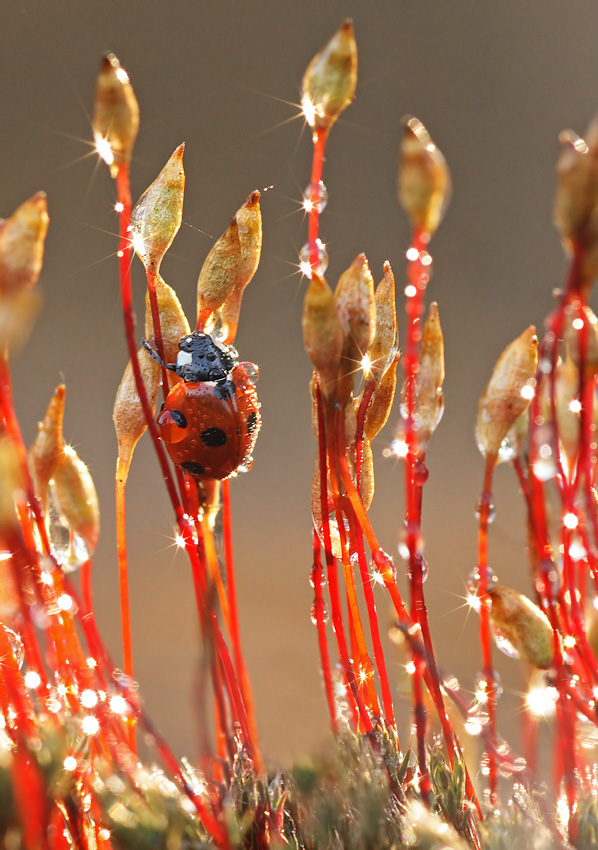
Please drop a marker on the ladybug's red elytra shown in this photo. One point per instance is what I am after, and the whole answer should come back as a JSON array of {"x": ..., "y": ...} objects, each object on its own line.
[{"x": 210, "y": 419}]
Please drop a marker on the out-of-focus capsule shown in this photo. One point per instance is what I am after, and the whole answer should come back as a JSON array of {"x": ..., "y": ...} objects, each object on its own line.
[
  {"x": 22, "y": 240},
  {"x": 424, "y": 178},
  {"x": 524, "y": 625},
  {"x": 386, "y": 339},
  {"x": 356, "y": 307},
  {"x": 129, "y": 421},
  {"x": 508, "y": 393},
  {"x": 249, "y": 224},
  {"x": 48, "y": 445}
]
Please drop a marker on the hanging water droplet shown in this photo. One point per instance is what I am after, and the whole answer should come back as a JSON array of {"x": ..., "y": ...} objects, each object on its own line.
[
  {"x": 246, "y": 465},
  {"x": 315, "y": 197},
  {"x": 507, "y": 449},
  {"x": 17, "y": 646},
  {"x": 305, "y": 258},
  {"x": 485, "y": 500},
  {"x": 420, "y": 473},
  {"x": 252, "y": 371},
  {"x": 425, "y": 570},
  {"x": 324, "y": 613},
  {"x": 543, "y": 452},
  {"x": 504, "y": 644}
]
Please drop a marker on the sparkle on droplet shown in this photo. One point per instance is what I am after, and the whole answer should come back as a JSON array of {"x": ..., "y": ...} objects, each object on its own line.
[
  {"x": 305, "y": 258},
  {"x": 90, "y": 725},
  {"x": 577, "y": 324},
  {"x": 410, "y": 291},
  {"x": 64, "y": 602},
  {"x": 89, "y": 698},
  {"x": 118, "y": 207},
  {"x": 410, "y": 667},
  {"x": 70, "y": 763},
  {"x": 570, "y": 520},
  {"x": 425, "y": 258},
  {"x": 575, "y": 405},
  {"x": 315, "y": 197},
  {"x": 412, "y": 254},
  {"x": 399, "y": 448},
  {"x": 527, "y": 392},
  {"x": 104, "y": 150},
  {"x": 32, "y": 679},
  {"x": 119, "y": 705}
]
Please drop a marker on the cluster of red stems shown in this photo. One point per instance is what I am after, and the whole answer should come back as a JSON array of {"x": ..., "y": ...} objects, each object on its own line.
[{"x": 537, "y": 412}]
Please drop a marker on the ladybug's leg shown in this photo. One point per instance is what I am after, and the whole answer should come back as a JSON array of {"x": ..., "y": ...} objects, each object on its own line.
[{"x": 156, "y": 356}]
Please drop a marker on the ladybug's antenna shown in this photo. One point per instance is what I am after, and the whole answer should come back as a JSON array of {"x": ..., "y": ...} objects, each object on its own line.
[{"x": 156, "y": 356}]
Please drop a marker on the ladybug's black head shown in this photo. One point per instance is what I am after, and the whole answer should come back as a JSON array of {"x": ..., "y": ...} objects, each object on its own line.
[{"x": 201, "y": 358}]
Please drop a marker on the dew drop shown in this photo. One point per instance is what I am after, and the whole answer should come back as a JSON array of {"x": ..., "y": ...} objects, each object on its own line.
[
  {"x": 504, "y": 644},
  {"x": 252, "y": 371},
  {"x": 314, "y": 613},
  {"x": 17, "y": 646},
  {"x": 485, "y": 500},
  {"x": 305, "y": 258},
  {"x": 315, "y": 197}
]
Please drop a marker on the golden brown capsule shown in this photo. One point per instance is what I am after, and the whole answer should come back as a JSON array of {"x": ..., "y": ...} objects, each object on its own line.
[
  {"x": 330, "y": 79},
  {"x": 128, "y": 416},
  {"x": 218, "y": 274},
  {"x": 523, "y": 625},
  {"x": 356, "y": 307},
  {"x": 386, "y": 338},
  {"x": 22, "y": 240},
  {"x": 116, "y": 114},
  {"x": 380, "y": 406},
  {"x": 322, "y": 333},
  {"x": 424, "y": 178},
  {"x": 249, "y": 224},
  {"x": 508, "y": 393},
  {"x": 429, "y": 405},
  {"x": 158, "y": 213},
  {"x": 75, "y": 497},
  {"x": 48, "y": 445}
]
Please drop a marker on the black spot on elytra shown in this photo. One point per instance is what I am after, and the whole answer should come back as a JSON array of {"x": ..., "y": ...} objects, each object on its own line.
[
  {"x": 251, "y": 422},
  {"x": 213, "y": 437},
  {"x": 179, "y": 418},
  {"x": 192, "y": 468}
]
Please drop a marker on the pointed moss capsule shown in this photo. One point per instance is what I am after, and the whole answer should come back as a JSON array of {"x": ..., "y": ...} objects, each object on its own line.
[
  {"x": 356, "y": 306},
  {"x": 128, "y": 416},
  {"x": 116, "y": 115},
  {"x": 330, "y": 80},
  {"x": 249, "y": 227},
  {"x": 218, "y": 275},
  {"x": 75, "y": 497},
  {"x": 424, "y": 178},
  {"x": 158, "y": 213},
  {"x": 508, "y": 393},
  {"x": 523, "y": 625},
  {"x": 386, "y": 339},
  {"x": 322, "y": 333},
  {"x": 22, "y": 239},
  {"x": 429, "y": 405},
  {"x": 48, "y": 445}
]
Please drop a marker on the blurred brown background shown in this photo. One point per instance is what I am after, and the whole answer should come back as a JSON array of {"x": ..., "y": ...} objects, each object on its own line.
[{"x": 494, "y": 81}]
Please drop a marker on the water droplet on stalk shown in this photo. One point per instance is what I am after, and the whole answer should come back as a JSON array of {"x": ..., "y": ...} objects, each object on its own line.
[
  {"x": 324, "y": 613},
  {"x": 16, "y": 645},
  {"x": 485, "y": 500},
  {"x": 315, "y": 197},
  {"x": 305, "y": 258}
]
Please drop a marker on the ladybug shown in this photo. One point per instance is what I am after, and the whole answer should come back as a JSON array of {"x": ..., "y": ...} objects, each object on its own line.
[{"x": 210, "y": 419}]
